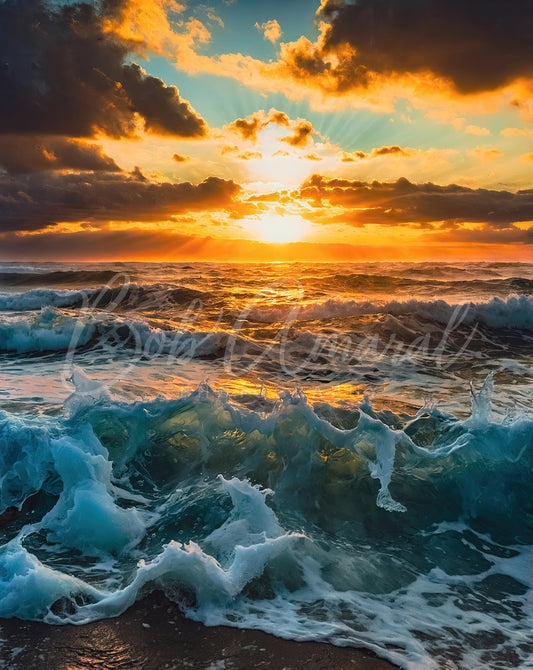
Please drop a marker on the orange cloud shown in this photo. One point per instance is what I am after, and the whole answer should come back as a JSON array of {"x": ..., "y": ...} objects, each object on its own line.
[
  {"x": 98, "y": 92},
  {"x": 31, "y": 153},
  {"x": 302, "y": 134},
  {"x": 517, "y": 132},
  {"x": 476, "y": 130},
  {"x": 403, "y": 202},
  {"x": 36, "y": 201},
  {"x": 271, "y": 30},
  {"x": 485, "y": 153}
]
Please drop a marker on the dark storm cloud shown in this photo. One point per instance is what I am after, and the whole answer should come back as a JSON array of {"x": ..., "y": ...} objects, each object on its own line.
[
  {"x": 479, "y": 45},
  {"x": 61, "y": 74},
  {"x": 32, "y": 202},
  {"x": 403, "y": 202},
  {"x": 161, "y": 107},
  {"x": 28, "y": 153}
]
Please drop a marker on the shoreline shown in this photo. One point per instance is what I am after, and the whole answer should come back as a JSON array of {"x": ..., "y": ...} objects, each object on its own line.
[{"x": 153, "y": 634}]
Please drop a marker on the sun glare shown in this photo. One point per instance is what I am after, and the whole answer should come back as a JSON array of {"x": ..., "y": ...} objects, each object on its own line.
[{"x": 278, "y": 229}]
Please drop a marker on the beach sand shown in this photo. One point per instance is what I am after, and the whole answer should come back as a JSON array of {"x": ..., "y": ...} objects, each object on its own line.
[{"x": 153, "y": 635}]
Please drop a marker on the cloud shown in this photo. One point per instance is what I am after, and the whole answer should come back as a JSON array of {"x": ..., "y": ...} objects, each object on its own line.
[
  {"x": 487, "y": 235},
  {"x": 180, "y": 159},
  {"x": 517, "y": 132},
  {"x": 161, "y": 107},
  {"x": 476, "y": 130},
  {"x": 331, "y": 72},
  {"x": 35, "y": 201},
  {"x": 395, "y": 150},
  {"x": 271, "y": 30},
  {"x": 249, "y": 128},
  {"x": 30, "y": 153},
  {"x": 250, "y": 155},
  {"x": 61, "y": 73},
  {"x": 353, "y": 157},
  {"x": 302, "y": 134},
  {"x": 485, "y": 153},
  {"x": 477, "y": 45},
  {"x": 527, "y": 157},
  {"x": 392, "y": 151},
  {"x": 403, "y": 202}
]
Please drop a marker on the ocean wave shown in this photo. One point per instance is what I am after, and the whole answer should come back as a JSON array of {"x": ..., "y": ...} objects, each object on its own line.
[
  {"x": 418, "y": 281},
  {"x": 39, "y": 298},
  {"x": 512, "y": 312},
  {"x": 278, "y": 520},
  {"x": 51, "y": 330},
  {"x": 121, "y": 297},
  {"x": 48, "y": 330},
  {"x": 43, "y": 278}
]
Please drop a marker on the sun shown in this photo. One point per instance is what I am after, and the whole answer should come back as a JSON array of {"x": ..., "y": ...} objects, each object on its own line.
[{"x": 280, "y": 229}]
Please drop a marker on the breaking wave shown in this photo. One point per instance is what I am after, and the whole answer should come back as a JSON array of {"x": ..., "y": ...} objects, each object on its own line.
[{"x": 358, "y": 527}]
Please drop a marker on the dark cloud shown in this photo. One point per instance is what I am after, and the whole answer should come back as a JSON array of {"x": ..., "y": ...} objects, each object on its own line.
[
  {"x": 250, "y": 127},
  {"x": 179, "y": 158},
  {"x": 487, "y": 235},
  {"x": 302, "y": 134},
  {"x": 479, "y": 45},
  {"x": 402, "y": 202},
  {"x": 250, "y": 155},
  {"x": 391, "y": 151},
  {"x": 29, "y": 153},
  {"x": 304, "y": 60},
  {"x": 376, "y": 153},
  {"x": 161, "y": 107},
  {"x": 62, "y": 74},
  {"x": 279, "y": 118},
  {"x": 353, "y": 157},
  {"x": 33, "y": 202}
]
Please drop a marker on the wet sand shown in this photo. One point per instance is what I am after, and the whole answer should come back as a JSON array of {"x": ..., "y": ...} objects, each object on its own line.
[{"x": 154, "y": 635}]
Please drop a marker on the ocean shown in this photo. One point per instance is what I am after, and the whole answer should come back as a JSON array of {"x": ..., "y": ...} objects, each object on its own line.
[{"x": 329, "y": 452}]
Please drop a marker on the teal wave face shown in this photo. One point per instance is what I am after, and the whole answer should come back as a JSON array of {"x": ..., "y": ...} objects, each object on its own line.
[{"x": 359, "y": 527}]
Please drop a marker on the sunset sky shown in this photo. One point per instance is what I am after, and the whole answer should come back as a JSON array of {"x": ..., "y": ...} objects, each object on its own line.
[{"x": 243, "y": 130}]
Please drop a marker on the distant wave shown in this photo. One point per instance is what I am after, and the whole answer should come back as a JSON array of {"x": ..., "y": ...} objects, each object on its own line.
[
  {"x": 52, "y": 331},
  {"x": 65, "y": 277},
  {"x": 48, "y": 330},
  {"x": 432, "y": 281},
  {"x": 39, "y": 298},
  {"x": 131, "y": 296},
  {"x": 513, "y": 312}
]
